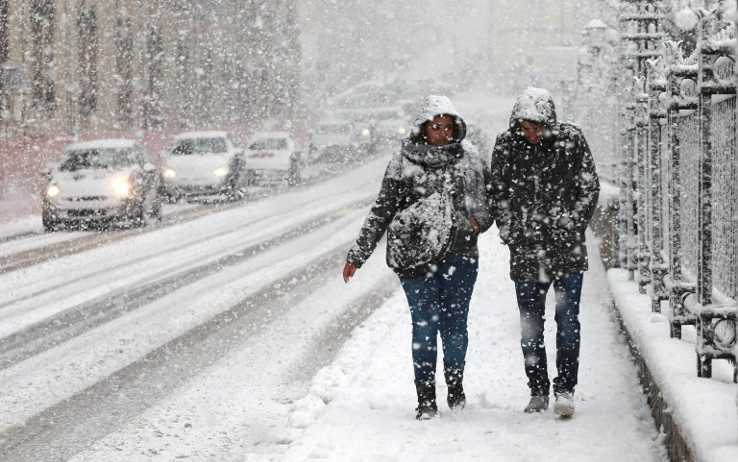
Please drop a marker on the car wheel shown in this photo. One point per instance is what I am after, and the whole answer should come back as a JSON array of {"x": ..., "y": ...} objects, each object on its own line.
[
  {"x": 237, "y": 186},
  {"x": 137, "y": 216},
  {"x": 49, "y": 223},
  {"x": 293, "y": 176},
  {"x": 155, "y": 210}
]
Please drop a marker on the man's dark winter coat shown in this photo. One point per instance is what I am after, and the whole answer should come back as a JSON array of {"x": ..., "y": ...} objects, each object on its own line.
[
  {"x": 544, "y": 194},
  {"x": 420, "y": 170}
]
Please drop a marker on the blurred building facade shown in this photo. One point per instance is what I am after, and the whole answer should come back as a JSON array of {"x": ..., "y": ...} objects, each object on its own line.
[
  {"x": 536, "y": 42},
  {"x": 101, "y": 65}
]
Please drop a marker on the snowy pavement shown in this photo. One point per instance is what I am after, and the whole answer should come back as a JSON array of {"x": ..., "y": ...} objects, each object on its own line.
[{"x": 360, "y": 408}]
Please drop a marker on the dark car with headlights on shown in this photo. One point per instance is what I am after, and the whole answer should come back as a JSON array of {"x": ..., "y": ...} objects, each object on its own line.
[{"x": 101, "y": 181}]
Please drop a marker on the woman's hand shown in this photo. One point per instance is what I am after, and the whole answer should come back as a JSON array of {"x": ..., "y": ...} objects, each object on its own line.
[
  {"x": 475, "y": 225},
  {"x": 348, "y": 271}
]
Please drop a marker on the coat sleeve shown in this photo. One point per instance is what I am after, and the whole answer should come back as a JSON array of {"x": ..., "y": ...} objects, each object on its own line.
[
  {"x": 587, "y": 187},
  {"x": 499, "y": 189},
  {"x": 489, "y": 218},
  {"x": 376, "y": 223}
]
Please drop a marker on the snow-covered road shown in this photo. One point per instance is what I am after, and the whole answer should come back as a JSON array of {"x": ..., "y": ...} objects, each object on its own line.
[
  {"x": 231, "y": 337},
  {"x": 72, "y": 325}
]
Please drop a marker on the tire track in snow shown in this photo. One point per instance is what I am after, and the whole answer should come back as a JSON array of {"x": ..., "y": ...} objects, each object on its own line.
[
  {"x": 74, "y": 245},
  {"x": 105, "y": 406},
  {"x": 76, "y": 320},
  {"x": 148, "y": 256}
]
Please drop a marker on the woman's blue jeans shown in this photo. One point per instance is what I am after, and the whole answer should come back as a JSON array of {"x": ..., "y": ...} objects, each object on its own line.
[
  {"x": 531, "y": 296},
  {"x": 439, "y": 302}
]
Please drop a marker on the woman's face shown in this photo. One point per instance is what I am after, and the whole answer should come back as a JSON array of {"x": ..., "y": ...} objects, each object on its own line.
[{"x": 440, "y": 130}]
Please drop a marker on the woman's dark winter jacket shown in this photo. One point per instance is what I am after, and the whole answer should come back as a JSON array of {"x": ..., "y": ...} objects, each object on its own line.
[
  {"x": 545, "y": 194},
  {"x": 418, "y": 171}
]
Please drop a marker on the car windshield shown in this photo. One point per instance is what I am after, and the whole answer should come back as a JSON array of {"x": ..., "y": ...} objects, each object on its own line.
[
  {"x": 269, "y": 143},
  {"x": 97, "y": 159},
  {"x": 200, "y": 146}
]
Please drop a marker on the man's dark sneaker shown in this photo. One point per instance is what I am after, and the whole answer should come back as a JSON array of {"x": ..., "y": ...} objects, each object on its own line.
[
  {"x": 456, "y": 398},
  {"x": 536, "y": 404},
  {"x": 426, "y": 410},
  {"x": 564, "y": 404}
]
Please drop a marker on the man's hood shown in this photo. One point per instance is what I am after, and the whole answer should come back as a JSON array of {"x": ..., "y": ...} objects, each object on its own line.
[
  {"x": 535, "y": 105},
  {"x": 434, "y": 105}
]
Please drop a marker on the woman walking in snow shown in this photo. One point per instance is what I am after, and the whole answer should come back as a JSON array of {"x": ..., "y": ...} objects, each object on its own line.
[{"x": 432, "y": 204}]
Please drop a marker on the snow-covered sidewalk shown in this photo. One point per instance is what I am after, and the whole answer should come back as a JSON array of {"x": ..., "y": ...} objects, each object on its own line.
[{"x": 360, "y": 408}]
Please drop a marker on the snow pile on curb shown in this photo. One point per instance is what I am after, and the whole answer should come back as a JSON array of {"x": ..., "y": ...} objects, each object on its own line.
[{"x": 702, "y": 408}]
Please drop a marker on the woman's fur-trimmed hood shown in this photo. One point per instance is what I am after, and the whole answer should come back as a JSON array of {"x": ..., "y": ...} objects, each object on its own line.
[{"x": 434, "y": 105}]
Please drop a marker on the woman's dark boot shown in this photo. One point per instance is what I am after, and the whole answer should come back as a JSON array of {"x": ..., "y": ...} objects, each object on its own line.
[
  {"x": 427, "y": 408},
  {"x": 456, "y": 398}
]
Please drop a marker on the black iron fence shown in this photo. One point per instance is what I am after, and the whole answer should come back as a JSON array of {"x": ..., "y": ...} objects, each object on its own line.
[{"x": 678, "y": 173}]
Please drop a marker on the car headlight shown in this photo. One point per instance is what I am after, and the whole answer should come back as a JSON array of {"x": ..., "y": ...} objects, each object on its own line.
[
  {"x": 220, "y": 172},
  {"x": 725, "y": 333},
  {"x": 169, "y": 173},
  {"x": 122, "y": 187},
  {"x": 366, "y": 132},
  {"x": 402, "y": 130},
  {"x": 53, "y": 191}
]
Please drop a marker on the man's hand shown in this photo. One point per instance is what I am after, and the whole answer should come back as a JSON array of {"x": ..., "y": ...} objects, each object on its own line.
[{"x": 348, "y": 271}]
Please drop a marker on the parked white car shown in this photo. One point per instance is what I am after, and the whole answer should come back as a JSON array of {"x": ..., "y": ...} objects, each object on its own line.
[
  {"x": 204, "y": 163},
  {"x": 99, "y": 181},
  {"x": 336, "y": 141},
  {"x": 391, "y": 124},
  {"x": 273, "y": 158}
]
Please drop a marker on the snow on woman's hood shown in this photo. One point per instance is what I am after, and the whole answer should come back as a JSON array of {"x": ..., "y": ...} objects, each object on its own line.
[
  {"x": 536, "y": 105},
  {"x": 434, "y": 105}
]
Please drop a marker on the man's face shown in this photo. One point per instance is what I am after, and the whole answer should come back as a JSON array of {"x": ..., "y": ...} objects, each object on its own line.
[
  {"x": 440, "y": 130},
  {"x": 533, "y": 131}
]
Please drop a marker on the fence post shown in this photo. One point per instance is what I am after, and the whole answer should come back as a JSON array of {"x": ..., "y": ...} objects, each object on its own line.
[
  {"x": 642, "y": 185},
  {"x": 704, "y": 261},
  {"x": 639, "y": 23},
  {"x": 631, "y": 244},
  {"x": 657, "y": 118}
]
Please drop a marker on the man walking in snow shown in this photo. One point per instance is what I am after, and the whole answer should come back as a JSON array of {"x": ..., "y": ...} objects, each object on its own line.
[{"x": 545, "y": 189}]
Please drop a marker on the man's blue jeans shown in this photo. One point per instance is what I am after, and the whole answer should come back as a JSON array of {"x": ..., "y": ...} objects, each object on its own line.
[
  {"x": 531, "y": 296},
  {"x": 439, "y": 302}
]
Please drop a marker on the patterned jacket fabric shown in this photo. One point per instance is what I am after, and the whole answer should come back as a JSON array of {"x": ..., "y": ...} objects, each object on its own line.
[
  {"x": 419, "y": 171},
  {"x": 545, "y": 194}
]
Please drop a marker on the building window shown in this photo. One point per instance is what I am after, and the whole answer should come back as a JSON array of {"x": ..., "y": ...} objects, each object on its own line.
[
  {"x": 41, "y": 60},
  {"x": 88, "y": 50},
  {"x": 124, "y": 70}
]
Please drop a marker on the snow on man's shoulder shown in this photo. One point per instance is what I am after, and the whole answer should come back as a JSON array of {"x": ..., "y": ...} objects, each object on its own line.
[{"x": 570, "y": 130}]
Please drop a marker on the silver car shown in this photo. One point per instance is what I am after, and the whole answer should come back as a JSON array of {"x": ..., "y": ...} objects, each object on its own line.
[
  {"x": 101, "y": 181},
  {"x": 205, "y": 163}
]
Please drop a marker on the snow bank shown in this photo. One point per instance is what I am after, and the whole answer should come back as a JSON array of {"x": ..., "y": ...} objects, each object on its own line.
[{"x": 703, "y": 409}]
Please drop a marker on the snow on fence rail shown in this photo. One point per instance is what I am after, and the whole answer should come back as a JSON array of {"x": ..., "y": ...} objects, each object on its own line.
[{"x": 678, "y": 212}]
